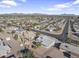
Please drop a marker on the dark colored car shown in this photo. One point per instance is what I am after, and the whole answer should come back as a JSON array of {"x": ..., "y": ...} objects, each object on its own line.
[{"x": 48, "y": 57}]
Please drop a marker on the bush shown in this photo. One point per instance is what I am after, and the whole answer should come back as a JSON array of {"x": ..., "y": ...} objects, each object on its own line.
[
  {"x": 29, "y": 54},
  {"x": 26, "y": 53},
  {"x": 16, "y": 37},
  {"x": 1, "y": 30},
  {"x": 37, "y": 44}
]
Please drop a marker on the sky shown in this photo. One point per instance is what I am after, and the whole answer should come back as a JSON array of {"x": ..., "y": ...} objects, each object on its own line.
[{"x": 40, "y": 6}]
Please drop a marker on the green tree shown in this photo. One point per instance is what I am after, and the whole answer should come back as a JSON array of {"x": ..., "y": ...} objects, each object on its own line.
[
  {"x": 29, "y": 54},
  {"x": 16, "y": 37},
  {"x": 26, "y": 53},
  {"x": 1, "y": 30},
  {"x": 37, "y": 44},
  {"x": 9, "y": 24},
  {"x": 13, "y": 32}
]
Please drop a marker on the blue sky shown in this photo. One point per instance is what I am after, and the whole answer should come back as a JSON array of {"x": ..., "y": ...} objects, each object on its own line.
[{"x": 40, "y": 6}]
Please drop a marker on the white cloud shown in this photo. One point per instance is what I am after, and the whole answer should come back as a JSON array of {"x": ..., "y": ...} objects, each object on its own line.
[
  {"x": 61, "y": 6},
  {"x": 7, "y": 6},
  {"x": 76, "y": 2},
  {"x": 53, "y": 9},
  {"x": 23, "y": 0},
  {"x": 9, "y": 2}
]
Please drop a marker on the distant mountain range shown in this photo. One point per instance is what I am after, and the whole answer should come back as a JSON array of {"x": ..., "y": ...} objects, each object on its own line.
[{"x": 36, "y": 14}]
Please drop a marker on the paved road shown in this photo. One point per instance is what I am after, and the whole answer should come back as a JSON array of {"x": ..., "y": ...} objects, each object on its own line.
[
  {"x": 70, "y": 48},
  {"x": 63, "y": 38},
  {"x": 46, "y": 33},
  {"x": 64, "y": 35}
]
